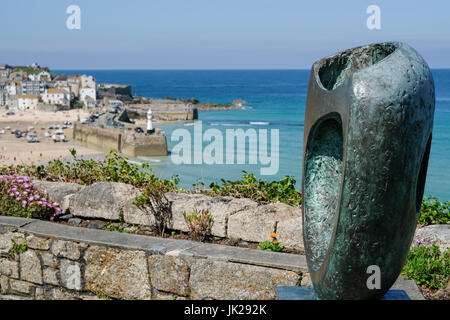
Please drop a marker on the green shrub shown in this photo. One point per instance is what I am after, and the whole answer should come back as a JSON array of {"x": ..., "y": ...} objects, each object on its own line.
[
  {"x": 258, "y": 190},
  {"x": 434, "y": 212},
  {"x": 114, "y": 168},
  {"x": 199, "y": 224},
  {"x": 428, "y": 267},
  {"x": 153, "y": 201}
]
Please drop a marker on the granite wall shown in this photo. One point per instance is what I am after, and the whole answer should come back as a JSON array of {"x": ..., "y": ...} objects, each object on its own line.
[{"x": 63, "y": 262}]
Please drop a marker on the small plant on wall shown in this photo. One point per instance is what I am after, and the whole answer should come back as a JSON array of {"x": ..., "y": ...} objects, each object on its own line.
[
  {"x": 199, "y": 224},
  {"x": 19, "y": 197},
  {"x": 17, "y": 248},
  {"x": 154, "y": 202},
  {"x": 271, "y": 245}
]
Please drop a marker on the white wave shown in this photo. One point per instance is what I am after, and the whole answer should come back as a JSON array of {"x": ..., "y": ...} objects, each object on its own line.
[{"x": 259, "y": 123}]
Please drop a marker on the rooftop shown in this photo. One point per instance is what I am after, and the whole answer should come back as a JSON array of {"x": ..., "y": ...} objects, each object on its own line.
[{"x": 29, "y": 96}]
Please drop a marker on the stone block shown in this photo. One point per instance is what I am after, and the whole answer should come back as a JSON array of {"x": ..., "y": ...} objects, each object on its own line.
[
  {"x": 133, "y": 215},
  {"x": 30, "y": 267},
  {"x": 290, "y": 233},
  {"x": 21, "y": 286},
  {"x": 58, "y": 191},
  {"x": 71, "y": 273},
  {"x": 50, "y": 276},
  {"x": 39, "y": 294},
  {"x": 257, "y": 224},
  {"x": 231, "y": 281},
  {"x": 435, "y": 234},
  {"x": 9, "y": 268},
  {"x": 66, "y": 249},
  {"x": 4, "y": 284},
  {"x": 48, "y": 259},
  {"x": 38, "y": 243},
  {"x": 169, "y": 274},
  {"x": 102, "y": 200},
  {"x": 118, "y": 274},
  {"x": 220, "y": 208}
]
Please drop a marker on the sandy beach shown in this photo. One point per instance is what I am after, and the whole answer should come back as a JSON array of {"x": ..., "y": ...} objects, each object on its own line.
[{"x": 18, "y": 151}]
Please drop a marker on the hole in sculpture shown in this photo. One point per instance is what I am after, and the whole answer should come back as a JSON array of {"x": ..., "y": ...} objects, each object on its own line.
[
  {"x": 323, "y": 175},
  {"x": 422, "y": 177},
  {"x": 336, "y": 69}
]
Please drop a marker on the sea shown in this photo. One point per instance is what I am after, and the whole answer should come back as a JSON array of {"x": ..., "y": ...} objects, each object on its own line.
[{"x": 275, "y": 101}]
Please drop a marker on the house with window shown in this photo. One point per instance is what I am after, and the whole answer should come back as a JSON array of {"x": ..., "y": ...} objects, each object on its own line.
[
  {"x": 74, "y": 82},
  {"x": 57, "y": 96},
  {"x": 13, "y": 87},
  {"x": 88, "y": 81},
  {"x": 5, "y": 71},
  {"x": 33, "y": 87},
  {"x": 44, "y": 76},
  {"x": 28, "y": 102},
  {"x": 88, "y": 92}
]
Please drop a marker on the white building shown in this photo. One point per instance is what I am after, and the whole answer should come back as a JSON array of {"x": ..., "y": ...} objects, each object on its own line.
[
  {"x": 58, "y": 96},
  {"x": 33, "y": 87},
  {"x": 44, "y": 76},
  {"x": 115, "y": 103},
  {"x": 28, "y": 102},
  {"x": 13, "y": 88},
  {"x": 88, "y": 81},
  {"x": 74, "y": 82},
  {"x": 87, "y": 92}
]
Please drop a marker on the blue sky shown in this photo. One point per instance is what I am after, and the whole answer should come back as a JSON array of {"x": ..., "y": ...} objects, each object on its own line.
[{"x": 213, "y": 34}]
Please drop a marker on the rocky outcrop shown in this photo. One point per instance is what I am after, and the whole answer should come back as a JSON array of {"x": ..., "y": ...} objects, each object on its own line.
[
  {"x": 234, "y": 218},
  {"x": 104, "y": 200},
  {"x": 60, "y": 192},
  {"x": 255, "y": 224},
  {"x": 220, "y": 208},
  {"x": 435, "y": 234}
]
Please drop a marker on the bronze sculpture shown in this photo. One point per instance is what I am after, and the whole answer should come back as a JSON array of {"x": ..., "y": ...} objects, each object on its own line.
[{"x": 368, "y": 125}]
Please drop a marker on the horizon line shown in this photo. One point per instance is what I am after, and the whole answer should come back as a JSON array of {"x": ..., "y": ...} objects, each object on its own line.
[{"x": 201, "y": 69}]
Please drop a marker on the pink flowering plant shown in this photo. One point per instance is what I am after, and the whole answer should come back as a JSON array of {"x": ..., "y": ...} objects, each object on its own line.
[{"x": 19, "y": 197}]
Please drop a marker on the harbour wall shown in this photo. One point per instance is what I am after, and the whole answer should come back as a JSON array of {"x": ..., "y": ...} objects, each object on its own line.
[{"x": 107, "y": 139}]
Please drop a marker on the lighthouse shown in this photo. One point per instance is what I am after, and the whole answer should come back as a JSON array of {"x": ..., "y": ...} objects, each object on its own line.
[{"x": 149, "y": 122}]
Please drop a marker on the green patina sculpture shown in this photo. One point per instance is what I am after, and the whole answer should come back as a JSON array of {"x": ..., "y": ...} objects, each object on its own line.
[{"x": 368, "y": 125}]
